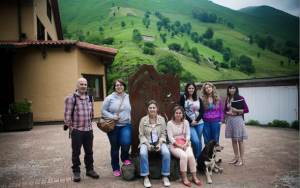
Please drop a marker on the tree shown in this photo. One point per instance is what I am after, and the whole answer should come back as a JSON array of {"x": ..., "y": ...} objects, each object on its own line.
[
  {"x": 165, "y": 21},
  {"x": 113, "y": 4},
  {"x": 218, "y": 45},
  {"x": 186, "y": 47},
  {"x": 251, "y": 41},
  {"x": 175, "y": 46},
  {"x": 188, "y": 31},
  {"x": 245, "y": 63},
  {"x": 270, "y": 42},
  {"x": 172, "y": 34},
  {"x": 200, "y": 38},
  {"x": 226, "y": 56},
  {"x": 209, "y": 33},
  {"x": 258, "y": 54},
  {"x": 195, "y": 54},
  {"x": 262, "y": 43},
  {"x": 93, "y": 39},
  {"x": 136, "y": 36},
  {"x": 101, "y": 28},
  {"x": 168, "y": 64},
  {"x": 212, "y": 17},
  {"x": 123, "y": 24},
  {"x": 146, "y": 15},
  {"x": 114, "y": 14},
  {"x": 189, "y": 25},
  {"x": 204, "y": 17},
  {"x": 87, "y": 33},
  {"x": 230, "y": 25},
  {"x": 159, "y": 23},
  {"x": 281, "y": 63},
  {"x": 109, "y": 40},
  {"x": 79, "y": 35},
  {"x": 182, "y": 29},
  {"x": 177, "y": 23},
  {"x": 196, "y": 39},
  {"x": 233, "y": 63},
  {"x": 118, "y": 8},
  {"x": 163, "y": 37}
]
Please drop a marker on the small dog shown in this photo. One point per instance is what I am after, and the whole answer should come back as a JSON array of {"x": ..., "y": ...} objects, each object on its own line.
[{"x": 206, "y": 160}]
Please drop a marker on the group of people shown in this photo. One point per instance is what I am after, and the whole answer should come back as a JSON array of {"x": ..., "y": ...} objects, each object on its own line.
[{"x": 181, "y": 137}]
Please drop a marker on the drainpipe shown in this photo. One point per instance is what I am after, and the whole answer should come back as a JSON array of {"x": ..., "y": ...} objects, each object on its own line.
[{"x": 19, "y": 20}]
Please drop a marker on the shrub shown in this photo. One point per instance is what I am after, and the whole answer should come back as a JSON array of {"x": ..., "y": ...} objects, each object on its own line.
[
  {"x": 295, "y": 124},
  {"x": 278, "y": 123},
  {"x": 252, "y": 122},
  {"x": 224, "y": 65},
  {"x": 21, "y": 107}
]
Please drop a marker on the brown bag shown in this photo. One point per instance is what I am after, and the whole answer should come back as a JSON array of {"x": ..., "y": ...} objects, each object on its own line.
[{"x": 107, "y": 125}]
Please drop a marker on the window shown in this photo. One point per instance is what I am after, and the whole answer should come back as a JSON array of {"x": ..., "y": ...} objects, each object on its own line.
[
  {"x": 95, "y": 85},
  {"x": 49, "y": 11},
  {"x": 40, "y": 30}
]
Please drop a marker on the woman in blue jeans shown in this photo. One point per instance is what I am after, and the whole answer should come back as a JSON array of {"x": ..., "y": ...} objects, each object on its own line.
[
  {"x": 213, "y": 112},
  {"x": 120, "y": 137},
  {"x": 152, "y": 135},
  {"x": 194, "y": 110}
]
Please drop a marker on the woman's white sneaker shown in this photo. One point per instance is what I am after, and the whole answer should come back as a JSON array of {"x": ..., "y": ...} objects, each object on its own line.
[{"x": 147, "y": 182}]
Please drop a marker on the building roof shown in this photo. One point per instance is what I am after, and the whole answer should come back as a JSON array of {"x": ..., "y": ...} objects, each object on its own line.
[
  {"x": 107, "y": 54},
  {"x": 82, "y": 45}
]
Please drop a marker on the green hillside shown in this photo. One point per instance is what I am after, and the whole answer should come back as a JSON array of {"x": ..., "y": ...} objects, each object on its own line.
[{"x": 89, "y": 15}]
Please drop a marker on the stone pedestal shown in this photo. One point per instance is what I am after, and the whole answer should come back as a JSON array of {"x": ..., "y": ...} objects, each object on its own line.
[{"x": 130, "y": 172}]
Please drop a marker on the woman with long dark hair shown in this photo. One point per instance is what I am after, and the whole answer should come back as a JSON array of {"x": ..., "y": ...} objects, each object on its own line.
[
  {"x": 194, "y": 110},
  {"x": 235, "y": 126}
]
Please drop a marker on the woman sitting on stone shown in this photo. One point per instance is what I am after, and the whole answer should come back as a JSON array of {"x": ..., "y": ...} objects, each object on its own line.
[
  {"x": 179, "y": 137},
  {"x": 152, "y": 135}
]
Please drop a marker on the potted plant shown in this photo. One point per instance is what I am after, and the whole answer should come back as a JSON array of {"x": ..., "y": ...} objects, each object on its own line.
[{"x": 21, "y": 118}]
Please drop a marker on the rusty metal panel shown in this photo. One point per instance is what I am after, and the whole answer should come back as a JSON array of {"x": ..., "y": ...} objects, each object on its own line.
[{"x": 145, "y": 85}]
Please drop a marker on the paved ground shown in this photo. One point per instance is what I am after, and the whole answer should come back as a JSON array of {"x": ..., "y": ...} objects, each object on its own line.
[{"x": 41, "y": 157}]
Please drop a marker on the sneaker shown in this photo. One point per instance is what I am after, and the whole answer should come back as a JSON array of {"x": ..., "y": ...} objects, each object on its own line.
[
  {"x": 147, "y": 182},
  {"x": 127, "y": 162},
  {"x": 92, "y": 174},
  {"x": 76, "y": 176},
  {"x": 117, "y": 173},
  {"x": 166, "y": 181}
]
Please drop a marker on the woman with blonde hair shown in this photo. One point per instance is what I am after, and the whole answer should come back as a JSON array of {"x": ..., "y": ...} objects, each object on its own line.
[
  {"x": 213, "y": 112},
  {"x": 179, "y": 136}
]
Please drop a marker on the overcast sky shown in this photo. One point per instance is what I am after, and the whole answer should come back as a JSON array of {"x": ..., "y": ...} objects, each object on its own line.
[{"x": 289, "y": 6}]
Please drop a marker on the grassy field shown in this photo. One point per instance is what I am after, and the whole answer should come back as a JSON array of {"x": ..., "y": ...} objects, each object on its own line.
[{"x": 90, "y": 15}]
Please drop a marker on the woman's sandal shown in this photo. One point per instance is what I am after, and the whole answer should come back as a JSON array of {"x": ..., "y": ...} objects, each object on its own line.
[
  {"x": 239, "y": 162},
  {"x": 233, "y": 161}
]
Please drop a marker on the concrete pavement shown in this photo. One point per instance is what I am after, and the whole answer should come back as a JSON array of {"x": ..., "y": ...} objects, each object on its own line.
[{"x": 41, "y": 157}]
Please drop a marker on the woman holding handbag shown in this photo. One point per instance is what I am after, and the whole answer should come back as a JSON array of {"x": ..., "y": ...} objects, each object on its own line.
[
  {"x": 120, "y": 137},
  {"x": 194, "y": 110},
  {"x": 152, "y": 135},
  {"x": 179, "y": 136}
]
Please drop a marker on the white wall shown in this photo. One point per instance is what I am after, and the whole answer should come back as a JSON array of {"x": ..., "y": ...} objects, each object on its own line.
[{"x": 269, "y": 103}]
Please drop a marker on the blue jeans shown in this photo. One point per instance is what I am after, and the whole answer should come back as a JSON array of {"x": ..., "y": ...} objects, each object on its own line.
[
  {"x": 119, "y": 137},
  {"x": 164, "y": 151},
  {"x": 196, "y": 138},
  {"x": 211, "y": 131}
]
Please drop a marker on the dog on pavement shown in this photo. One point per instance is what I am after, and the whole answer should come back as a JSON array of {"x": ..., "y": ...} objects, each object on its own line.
[{"x": 206, "y": 160}]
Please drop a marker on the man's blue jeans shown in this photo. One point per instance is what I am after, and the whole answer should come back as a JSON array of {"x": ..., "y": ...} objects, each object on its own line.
[
  {"x": 144, "y": 163},
  {"x": 196, "y": 138},
  {"x": 211, "y": 131},
  {"x": 119, "y": 137}
]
